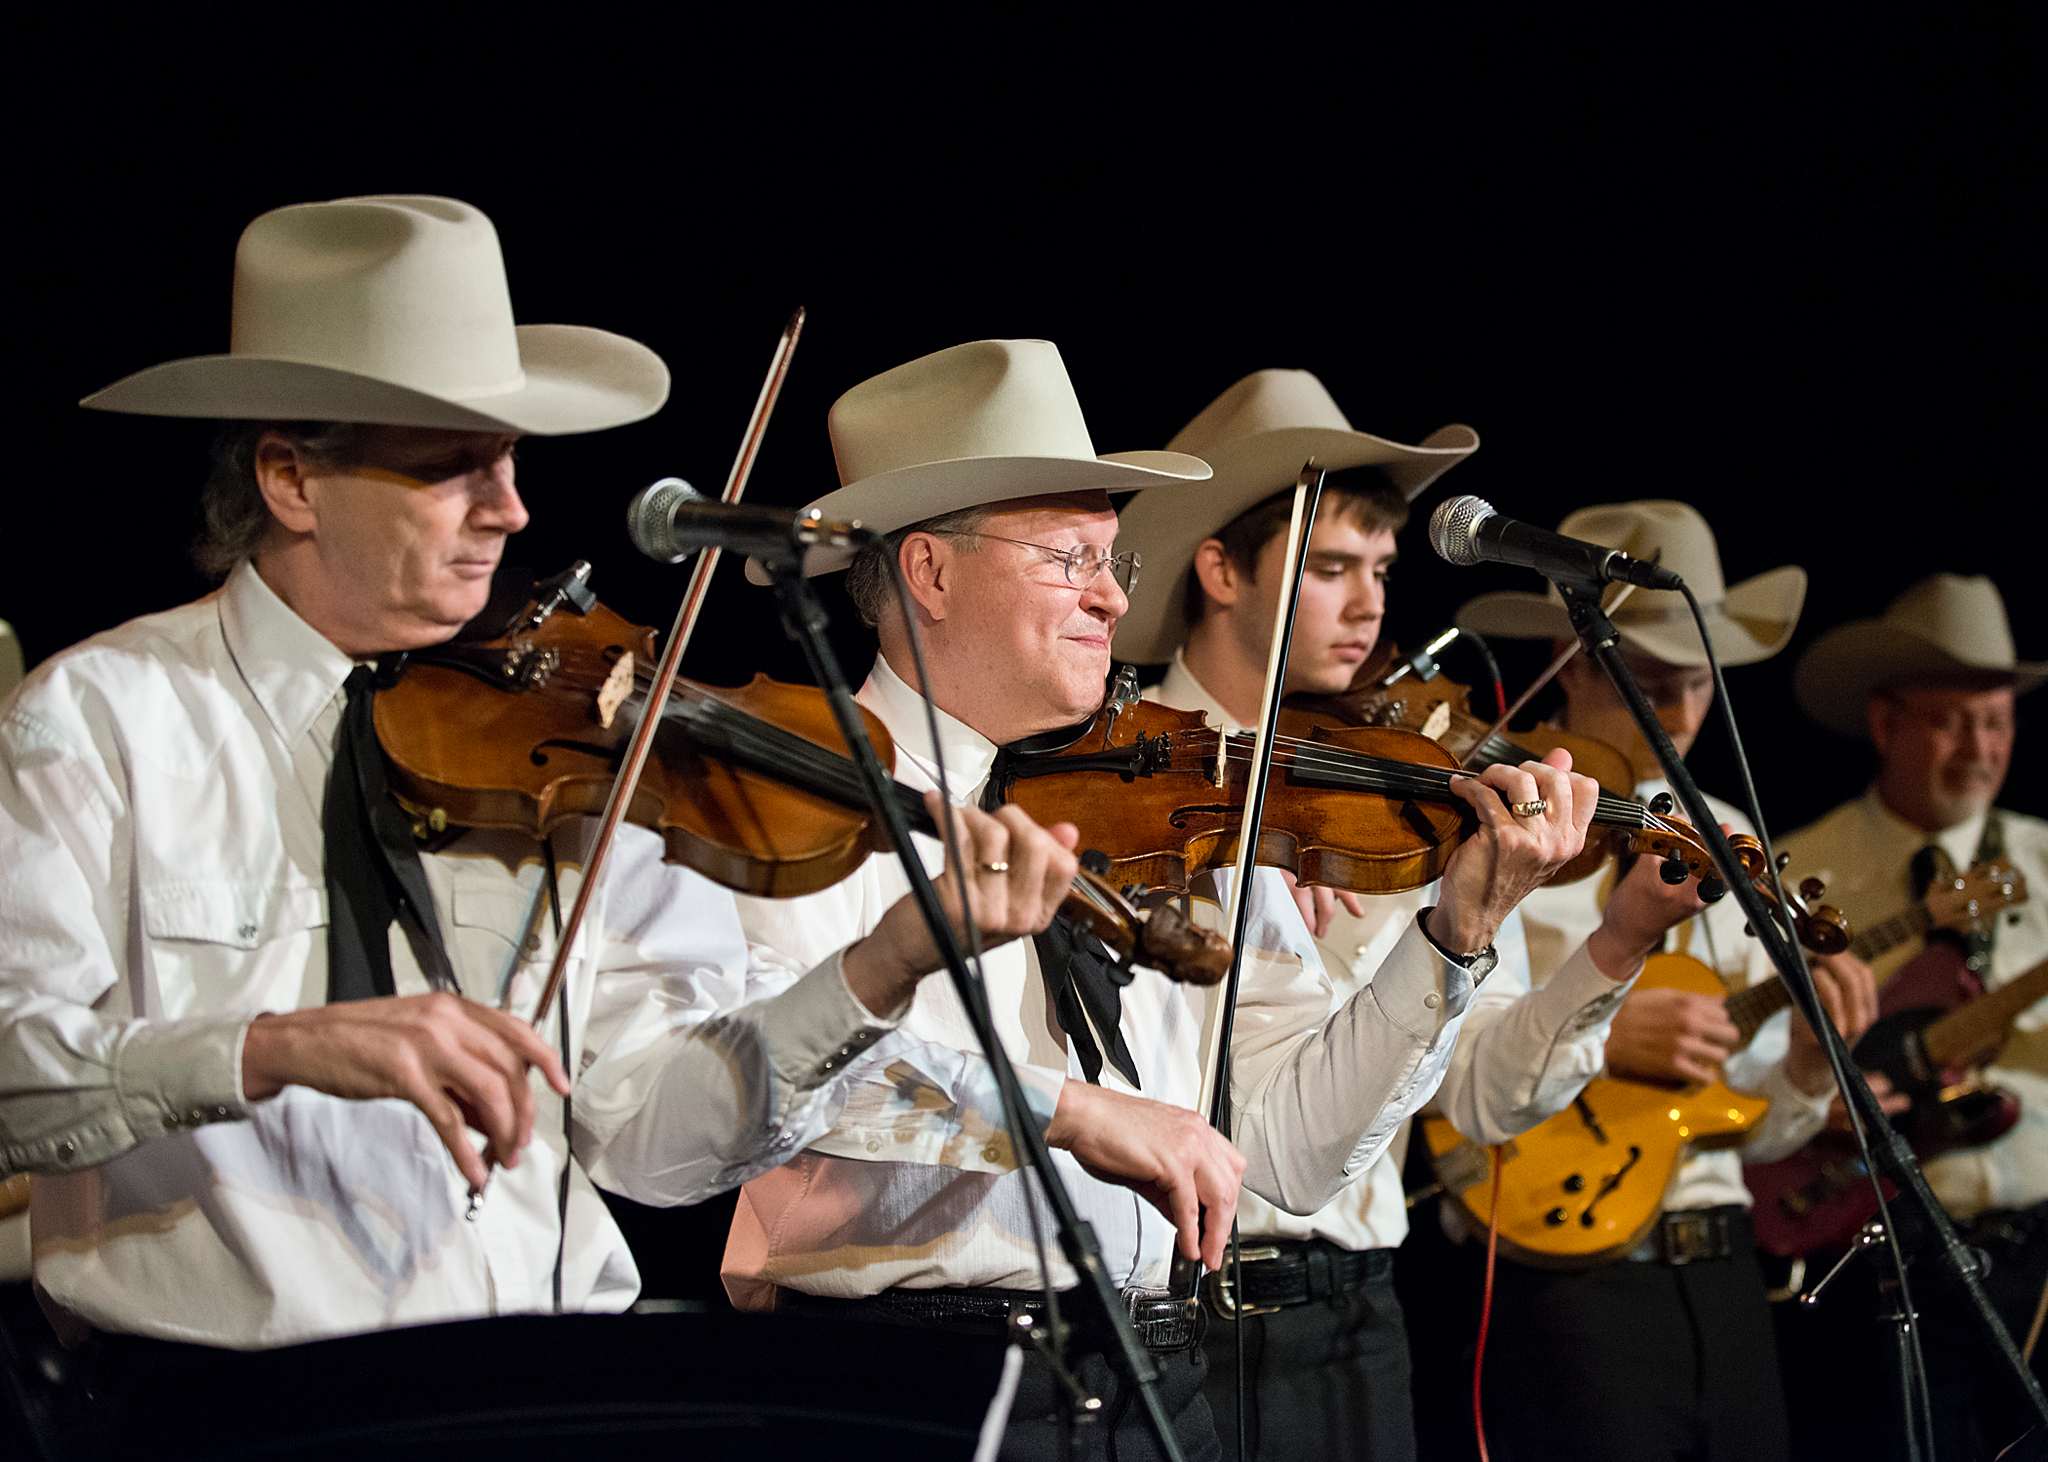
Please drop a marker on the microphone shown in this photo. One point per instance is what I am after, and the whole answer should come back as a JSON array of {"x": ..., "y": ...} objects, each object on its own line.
[
  {"x": 671, "y": 520},
  {"x": 1466, "y": 531}
]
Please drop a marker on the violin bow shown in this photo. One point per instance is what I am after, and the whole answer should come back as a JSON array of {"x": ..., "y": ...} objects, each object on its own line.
[
  {"x": 1564, "y": 658},
  {"x": 628, "y": 779}
]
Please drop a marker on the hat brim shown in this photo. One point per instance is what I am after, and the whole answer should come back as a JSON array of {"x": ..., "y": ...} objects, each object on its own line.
[
  {"x": 891, "y": 500},
  {"x": 1167, "y": 529},
  {"x": 577, "y": 379},
  {"x": 1753, "y": 622},
  {"x": 1835, "y": 677}
]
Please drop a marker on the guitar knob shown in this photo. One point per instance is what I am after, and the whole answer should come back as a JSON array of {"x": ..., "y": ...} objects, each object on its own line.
[
  {"x": 1555, "y": 1218},
  {"x": 1576, "y": 1183}
]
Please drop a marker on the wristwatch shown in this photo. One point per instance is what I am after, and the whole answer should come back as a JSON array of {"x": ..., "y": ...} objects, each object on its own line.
[{"x": 1478, "y": 964}]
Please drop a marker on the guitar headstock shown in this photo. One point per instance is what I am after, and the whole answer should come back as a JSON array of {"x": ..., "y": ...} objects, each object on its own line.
[{"x": 1974, "y": 896}]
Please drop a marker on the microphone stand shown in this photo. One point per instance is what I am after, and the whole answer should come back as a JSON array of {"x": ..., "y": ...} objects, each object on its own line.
[
  {"x": 805, "y": 620},
  {"x": 1891, "y": 1156}
]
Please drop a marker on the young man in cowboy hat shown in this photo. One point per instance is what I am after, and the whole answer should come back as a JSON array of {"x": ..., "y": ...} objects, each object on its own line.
[
  {"x": 1669, "y": 1352},
  {"x": 252, "y": 1108},
  {"x": 1932, "y": 685},
  {"x": 977, "y": 464},
  {"x": 1327, "y": 1359}
]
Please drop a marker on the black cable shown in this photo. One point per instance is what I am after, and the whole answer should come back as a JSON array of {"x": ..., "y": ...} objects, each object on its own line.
[{"x": 1831, "y": 1043}]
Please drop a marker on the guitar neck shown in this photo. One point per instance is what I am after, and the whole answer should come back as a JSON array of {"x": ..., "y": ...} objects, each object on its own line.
[
  {"x": 1879, "y": 938},
  {"x": 1981, "y": 1025},
  {"x": 1750, "y": 1008}
]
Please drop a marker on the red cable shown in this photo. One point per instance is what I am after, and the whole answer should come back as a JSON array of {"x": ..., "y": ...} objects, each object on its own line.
[
  {"x": 1500, "y": 697},
  {"x": 1486, "y": 1308}
]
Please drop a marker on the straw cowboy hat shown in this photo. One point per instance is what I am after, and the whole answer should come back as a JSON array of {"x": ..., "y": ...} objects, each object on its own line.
[
  {"x": 1257, "y": 435},
  {"x": 394, "y": 311},
  {"x": 1747, "y": 622},
  {"x": 980, "y": 423},
  {"x": 1944, "y": 628}
]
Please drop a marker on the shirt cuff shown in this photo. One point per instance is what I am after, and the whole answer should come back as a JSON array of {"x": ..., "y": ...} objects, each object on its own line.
[
  {"x": 1417, "y": 989},
  {"x": 1580, "y": 997},
  {"x": 817, "y": 1027},
  {"x": 1784, "y": 1092},
  {"x": 174, "y": 1075}
]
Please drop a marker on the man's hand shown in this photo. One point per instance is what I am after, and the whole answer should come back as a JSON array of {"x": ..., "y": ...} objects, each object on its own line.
[
  {"x": 1319, "y": 904},
  {"x": 1671, "y": 1035},
  {"x": 1890, "y": 1100},
  {"x": 1017, "y": 876},
  {"x": 462, "y": 1064},
  {"x": 1167, "y": 1155},
  {"x": 1640, "y": 911},
  {"x": 1510, "y": 857},
  {"x": 1848, "y": 991}
]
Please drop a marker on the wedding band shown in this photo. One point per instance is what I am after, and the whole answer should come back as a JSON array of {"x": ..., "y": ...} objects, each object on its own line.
[
  {"x": 1534, "y": 807},
  {"x": 995, "y": 867}
]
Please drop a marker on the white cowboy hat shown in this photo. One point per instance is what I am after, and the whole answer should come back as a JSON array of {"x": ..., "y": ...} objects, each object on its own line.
[
  {"x": 394, "y": 312},
  {"x": 1257, "y": 435},
  {"x": 1944, "y": 628},
  {"x": 1747, "y": 622},
  {"x": 980, "y": 423}
]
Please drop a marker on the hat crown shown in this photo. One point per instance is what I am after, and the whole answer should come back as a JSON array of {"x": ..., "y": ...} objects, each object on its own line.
[
  {"x": 1963, "y": 615},
  {"x": 988, "y": 398},
  {"x": 1268, "y": 400},
  {"x": 1672, "y": 534},
  {"x": 407, "y": 289}
]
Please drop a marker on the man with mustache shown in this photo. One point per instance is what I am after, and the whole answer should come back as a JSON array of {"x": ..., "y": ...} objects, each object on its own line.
[
  {"x": 977, "y": 465},
  {"x": 1932, "y": 686}
]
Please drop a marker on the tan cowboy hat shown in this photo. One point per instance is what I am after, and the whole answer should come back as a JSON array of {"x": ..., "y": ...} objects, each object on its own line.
[
  {"x": 394, "y": 312},
  {"x": 1946, "y": 627},
  {"x": 1257, "y": 435},
  {"x": 10, "y": 659},
  {"x": 1747, "y": 622},
  {"x": 980, "y": 423}
]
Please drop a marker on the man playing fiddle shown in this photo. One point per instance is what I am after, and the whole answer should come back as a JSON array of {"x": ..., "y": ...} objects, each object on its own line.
[
  {"x": 259, "y": 1052},
  {"x": 1667, "y": 1353},
  {"x": 977, "y": 465},
  {"x": 1932, "y": 686},
  {"x": 1326, "y": 1346}
]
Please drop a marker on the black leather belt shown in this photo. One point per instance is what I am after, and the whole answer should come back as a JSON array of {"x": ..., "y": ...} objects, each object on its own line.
[
  {"x": 1693, "y": 1234},
  {"x": 1164, "y": 1324},
  {"x": 1277, "y": 1273}
]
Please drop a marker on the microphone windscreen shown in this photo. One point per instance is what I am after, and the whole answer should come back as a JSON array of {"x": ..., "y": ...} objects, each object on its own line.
[
  {"x": 651, "y": 517},
  {"x": 1451, "y": 528}
]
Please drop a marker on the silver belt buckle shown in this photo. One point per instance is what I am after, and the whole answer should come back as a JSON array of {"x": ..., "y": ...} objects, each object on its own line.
[
  {"x": 1223, "y": 1294},
  {"x": 1688, "y": 1236}
]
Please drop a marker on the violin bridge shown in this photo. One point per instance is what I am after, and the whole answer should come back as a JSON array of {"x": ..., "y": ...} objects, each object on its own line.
[
  {"x": 1217, "y": 773},
  {"x": 1438, "y": 721},
  {"x": 618, "y": 685}
]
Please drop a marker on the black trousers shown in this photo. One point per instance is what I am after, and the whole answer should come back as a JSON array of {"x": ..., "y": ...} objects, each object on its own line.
[
  {"x": 1634, "y": 1362},
  {"x": 1328, "y": 1379},
  {"x": 1037, "y": 1417},
  {"x": 1839, "y": 1348}
]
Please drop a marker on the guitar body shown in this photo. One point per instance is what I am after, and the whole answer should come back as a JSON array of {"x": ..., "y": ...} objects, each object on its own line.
[
  {"x": 1585, "y": 1186},
  {"x": 1819, "y": 1196}
]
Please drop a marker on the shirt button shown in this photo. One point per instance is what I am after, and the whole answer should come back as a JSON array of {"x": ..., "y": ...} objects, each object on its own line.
[
  {"x": 1432, "y": 1000},
  {"x": 247, "y": 931},
  {"x": 171, "y": 1121},
  {"x": 67, "y": 1149},
  {"x": 221, "y": 1114},
  {"x": 992, "y": 1153},
  {"x": 874, "y": 1144},
  {"x": 196, "y": 1116}
]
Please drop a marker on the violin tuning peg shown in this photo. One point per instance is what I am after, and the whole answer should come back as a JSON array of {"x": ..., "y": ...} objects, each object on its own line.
[
  {"x": 1782, "y": 861},
  {"x": 1096, "y": 862},
  {"x": 1711, "y": 889},
  {"x": 1673, "y": 871},
  {"x": 1811, "y": 889},
  {"x": 1661, "y": 804}
]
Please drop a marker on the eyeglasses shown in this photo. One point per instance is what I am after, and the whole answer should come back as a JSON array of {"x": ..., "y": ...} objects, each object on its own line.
[{"x": 1081, "y": 563}]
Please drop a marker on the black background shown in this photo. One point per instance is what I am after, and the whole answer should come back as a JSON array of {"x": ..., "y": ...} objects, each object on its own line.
[{"x": 1787, "y": 275}]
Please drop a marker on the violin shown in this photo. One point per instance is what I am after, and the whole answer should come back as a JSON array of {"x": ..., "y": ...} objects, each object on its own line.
[
  {"x": 750, "y": 786},
  {"x": 1381, "y": 694},
  {"x": 1365, "y": 808}
]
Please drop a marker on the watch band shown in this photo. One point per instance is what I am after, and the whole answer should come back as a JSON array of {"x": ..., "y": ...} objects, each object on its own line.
[{"x": 1479, "y": 963}]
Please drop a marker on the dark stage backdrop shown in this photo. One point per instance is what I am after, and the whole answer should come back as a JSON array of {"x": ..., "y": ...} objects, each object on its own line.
[{"x": 1792, "y": 280}]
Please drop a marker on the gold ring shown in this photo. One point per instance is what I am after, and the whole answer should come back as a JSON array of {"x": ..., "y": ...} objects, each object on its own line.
[
  {"x": 1534, "y": 807},
  {"x": 996, "y": 867}
]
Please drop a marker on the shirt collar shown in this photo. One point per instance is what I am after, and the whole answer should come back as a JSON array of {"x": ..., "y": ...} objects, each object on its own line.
[
  {"x": 292, "y": 669},
  {"x": 968, "y": 753},
  {"x": 1959, "y": 842},
  {"x": 1181, "y": 690}
]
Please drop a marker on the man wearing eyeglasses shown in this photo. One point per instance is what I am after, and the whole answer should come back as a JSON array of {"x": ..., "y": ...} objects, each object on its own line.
[
  {"x": 977, "y": 465},
  {"x": 1932, "y": 686}
]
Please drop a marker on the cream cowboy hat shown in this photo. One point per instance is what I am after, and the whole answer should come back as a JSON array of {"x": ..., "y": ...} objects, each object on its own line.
[
  {"x": 394, "y": 312},
  {"x": 979, "y": 423},
  {"x": 1747, "y": 622},
  {"x": 1256, "y": 435},
  {"x": 1946, "y": 627}
]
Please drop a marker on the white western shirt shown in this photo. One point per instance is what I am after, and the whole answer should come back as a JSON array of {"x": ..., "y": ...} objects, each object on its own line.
[
  {"x": 1862, "y": 849},
  {"x": 161, "y": 883},
  {"x": 1558, "y": 919},
  {"x": 916, "y": 1184},
  {"x": 1522, "y": 1056}
]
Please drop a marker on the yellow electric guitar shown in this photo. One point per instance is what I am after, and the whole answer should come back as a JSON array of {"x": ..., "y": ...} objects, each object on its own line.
[{"x": 1585, "y": 1186}]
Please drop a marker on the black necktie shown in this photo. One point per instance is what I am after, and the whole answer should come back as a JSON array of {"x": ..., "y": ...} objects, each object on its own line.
[
  {"x": 373, "y": 868},
  {"x": 1083, "y": 981}
]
